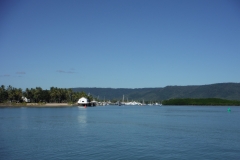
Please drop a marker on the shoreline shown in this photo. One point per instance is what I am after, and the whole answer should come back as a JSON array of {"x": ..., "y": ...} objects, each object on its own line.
[
  {"x": 29, "y": 105},
  {"x": 62, "y": 105}
]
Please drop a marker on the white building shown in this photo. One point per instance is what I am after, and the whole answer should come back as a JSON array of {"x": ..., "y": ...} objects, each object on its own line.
[
  {"x": 25, "y": 99},
  {"x": 83, "y": 101}
]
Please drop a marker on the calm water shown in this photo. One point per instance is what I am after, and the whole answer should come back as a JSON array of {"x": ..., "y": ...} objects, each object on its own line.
[{"x": 120, "y": 132}]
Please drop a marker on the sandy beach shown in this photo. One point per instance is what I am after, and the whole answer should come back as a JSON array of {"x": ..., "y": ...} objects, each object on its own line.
[
  {"x": 51, "y": 105},
  {"x": 39, "y": 105}
]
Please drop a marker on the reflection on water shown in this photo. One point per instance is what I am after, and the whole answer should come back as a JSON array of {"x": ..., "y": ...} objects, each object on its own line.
[
  {"x": 23, "y": 118},
  {"x": 82, "y": 118}
]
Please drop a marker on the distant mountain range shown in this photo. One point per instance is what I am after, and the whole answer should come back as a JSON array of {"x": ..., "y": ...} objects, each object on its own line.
[{"x": 229, "y": 91}]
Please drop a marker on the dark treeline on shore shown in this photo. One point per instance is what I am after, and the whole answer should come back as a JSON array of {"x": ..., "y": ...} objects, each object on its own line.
[
  {"x": 63, "y": 95},
  {"x": 201, "y": 101},
  {"x": 38, "y": 95}
]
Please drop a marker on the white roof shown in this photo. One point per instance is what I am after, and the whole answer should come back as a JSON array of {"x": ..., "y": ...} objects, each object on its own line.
[{"x": 83, "y": 100}]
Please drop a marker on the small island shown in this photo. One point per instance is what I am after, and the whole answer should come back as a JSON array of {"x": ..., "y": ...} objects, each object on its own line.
[{"x": 201, "y": 102}]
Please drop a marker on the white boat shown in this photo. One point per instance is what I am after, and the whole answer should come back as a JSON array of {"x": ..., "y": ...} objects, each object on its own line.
[{"x": 133, "y": 103}]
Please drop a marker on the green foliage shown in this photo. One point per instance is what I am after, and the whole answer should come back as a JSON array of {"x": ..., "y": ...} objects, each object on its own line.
[
  {"x": 38, "y": 95},
  {"x": 202, "y": 101},
  {"x": 3, "y": 94},
  {"x": 230, "y": 91}
]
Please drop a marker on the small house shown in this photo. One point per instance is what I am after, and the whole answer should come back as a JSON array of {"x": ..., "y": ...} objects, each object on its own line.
[
  {"x": 83, "y": 101},
  {"x": 25, "y": 99}
]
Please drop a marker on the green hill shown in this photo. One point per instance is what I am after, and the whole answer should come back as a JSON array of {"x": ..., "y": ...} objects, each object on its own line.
[{"x": 230, "y": 91}]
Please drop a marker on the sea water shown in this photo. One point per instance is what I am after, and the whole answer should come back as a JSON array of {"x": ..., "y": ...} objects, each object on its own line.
[{"x": 120, "y": 132}]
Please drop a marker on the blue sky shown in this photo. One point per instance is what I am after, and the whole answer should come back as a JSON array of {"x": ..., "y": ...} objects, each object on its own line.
[{"x": 118, "y": 43}]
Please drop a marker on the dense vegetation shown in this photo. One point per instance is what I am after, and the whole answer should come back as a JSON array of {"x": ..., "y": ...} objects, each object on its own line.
[
  {"x": 38, "y": 95},
  {"x": 202, "y": 101},
  {"x": 230, "y": 91}
]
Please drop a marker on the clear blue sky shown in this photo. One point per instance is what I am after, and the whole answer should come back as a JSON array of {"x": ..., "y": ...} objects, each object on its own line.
[{"x": 118, "y": 43}]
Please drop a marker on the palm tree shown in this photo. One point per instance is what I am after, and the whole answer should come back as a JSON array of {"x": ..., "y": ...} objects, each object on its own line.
[
  {"x": 18, "y": 94},
  {"x": 3, "y": 94},
  {"x": 53, "y": 94},
  {"x": 59, "y": 94},
  {"x": 69, "y": 94},
  {"x": 10, "y": 91},
  {"x": 37, "y": 94}
]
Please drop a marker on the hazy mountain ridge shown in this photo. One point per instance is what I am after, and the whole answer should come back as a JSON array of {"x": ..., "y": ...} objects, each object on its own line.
[{"x": 229, "y": 91}]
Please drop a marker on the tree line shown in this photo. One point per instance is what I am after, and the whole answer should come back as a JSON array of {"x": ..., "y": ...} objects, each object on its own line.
[
  {"x": 39, "y": 95},
  {"x": 201, "y": 101}
]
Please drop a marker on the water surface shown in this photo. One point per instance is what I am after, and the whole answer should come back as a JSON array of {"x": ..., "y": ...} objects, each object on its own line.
[{"x": 120, "y": 132}]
